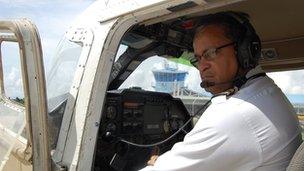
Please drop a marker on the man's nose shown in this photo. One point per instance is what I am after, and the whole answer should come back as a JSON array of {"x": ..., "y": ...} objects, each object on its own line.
[{"x": 203, "y": 64}]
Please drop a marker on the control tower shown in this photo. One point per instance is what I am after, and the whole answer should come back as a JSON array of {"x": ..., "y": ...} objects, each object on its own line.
[
  {"x": 169, "y": 79},
  {"x": 172, "y": 80}
]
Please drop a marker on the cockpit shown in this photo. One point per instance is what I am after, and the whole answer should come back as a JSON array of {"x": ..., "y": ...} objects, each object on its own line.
[{"x": 136, "y": 118}]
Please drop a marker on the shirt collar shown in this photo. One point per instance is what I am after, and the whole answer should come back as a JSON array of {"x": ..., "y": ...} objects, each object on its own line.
[
  {"x": 257, "y": 70},
  {"x": 222, "y": 97}
]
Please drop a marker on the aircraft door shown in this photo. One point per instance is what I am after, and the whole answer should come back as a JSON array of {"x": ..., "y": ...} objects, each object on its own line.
[{"x": 23, "y": 107}]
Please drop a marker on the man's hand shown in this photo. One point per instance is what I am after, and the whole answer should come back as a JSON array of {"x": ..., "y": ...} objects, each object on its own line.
[{"x": 154, "y": 156}]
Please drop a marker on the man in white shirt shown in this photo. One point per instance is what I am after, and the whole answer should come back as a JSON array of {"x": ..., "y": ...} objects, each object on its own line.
[{"x": 250, "y": 124}]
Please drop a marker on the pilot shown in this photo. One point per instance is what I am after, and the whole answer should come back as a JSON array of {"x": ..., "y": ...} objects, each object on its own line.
[{"x": 250, "y": 124}]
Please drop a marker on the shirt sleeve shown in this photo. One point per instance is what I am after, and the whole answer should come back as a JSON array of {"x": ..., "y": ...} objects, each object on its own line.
[
  {"x": 196, "y": 149},
  {"x": 212, "y": 146}
]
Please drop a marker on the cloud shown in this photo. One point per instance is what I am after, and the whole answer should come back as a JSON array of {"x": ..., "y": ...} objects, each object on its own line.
[
  {"x": 52, "y": 19},
  {"x": 291, "y": 82},
  {"x": 13, "y": 83},
  {"x": 143, "y": 76}
]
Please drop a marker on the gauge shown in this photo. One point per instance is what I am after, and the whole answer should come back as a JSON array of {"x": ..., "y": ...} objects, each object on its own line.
[
  {"x": 174, "y": 124},
  {"x": 166, "y": 127},
  {"x": 111, "y": 112},
  {"x": 111, "y": 127}
]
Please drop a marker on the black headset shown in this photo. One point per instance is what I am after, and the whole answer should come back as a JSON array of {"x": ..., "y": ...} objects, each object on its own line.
[{"x": 248, "y": 47}]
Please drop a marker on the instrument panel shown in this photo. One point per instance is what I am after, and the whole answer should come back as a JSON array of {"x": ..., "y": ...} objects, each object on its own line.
[{"x": 141, "y": 117}]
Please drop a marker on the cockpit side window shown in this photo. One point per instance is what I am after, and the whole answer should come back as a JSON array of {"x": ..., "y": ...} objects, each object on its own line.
[{"x": 291, "y": 83}]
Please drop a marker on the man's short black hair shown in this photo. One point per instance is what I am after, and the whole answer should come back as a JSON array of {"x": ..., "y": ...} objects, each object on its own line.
[{"x": 234, "y": 29}]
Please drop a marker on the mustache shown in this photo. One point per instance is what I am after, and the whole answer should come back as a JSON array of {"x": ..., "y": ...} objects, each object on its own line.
[
  {"x": 206, "y": 84},
  {"x": 206, "y": 73},
  {"x": 207, "y": 80}
]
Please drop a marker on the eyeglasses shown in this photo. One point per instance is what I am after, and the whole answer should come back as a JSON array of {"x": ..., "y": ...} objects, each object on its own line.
[{"x": 209, "y": 54}]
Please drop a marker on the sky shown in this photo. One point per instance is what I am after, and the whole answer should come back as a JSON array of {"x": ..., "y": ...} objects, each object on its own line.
[{"x": 53, "y": 18}]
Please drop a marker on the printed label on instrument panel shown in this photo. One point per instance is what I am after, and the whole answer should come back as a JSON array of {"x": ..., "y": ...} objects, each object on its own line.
[{"x": 153, "y": 126}]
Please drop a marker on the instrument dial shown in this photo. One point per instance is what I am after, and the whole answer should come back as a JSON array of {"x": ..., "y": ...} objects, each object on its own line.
[{"x": 111, "y": 112}]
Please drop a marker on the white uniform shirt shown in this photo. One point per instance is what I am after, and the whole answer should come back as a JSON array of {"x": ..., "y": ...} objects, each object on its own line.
[{"x": 255, "y": 129}]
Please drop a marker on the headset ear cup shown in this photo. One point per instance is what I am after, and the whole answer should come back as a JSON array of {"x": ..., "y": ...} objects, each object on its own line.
[
  {"x": 249, "y": 51},
  {"x": 242, "y": 53},
  {"x": 255, "y": 49}
]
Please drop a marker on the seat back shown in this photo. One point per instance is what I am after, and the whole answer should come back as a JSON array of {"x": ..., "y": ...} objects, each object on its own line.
[{"x": 297, "y": 161}]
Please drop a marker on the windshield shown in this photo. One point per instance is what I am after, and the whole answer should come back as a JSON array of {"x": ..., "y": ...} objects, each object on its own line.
[
  {"x": 169, "y": 76},
  {"x": 60, "y": 77}
]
